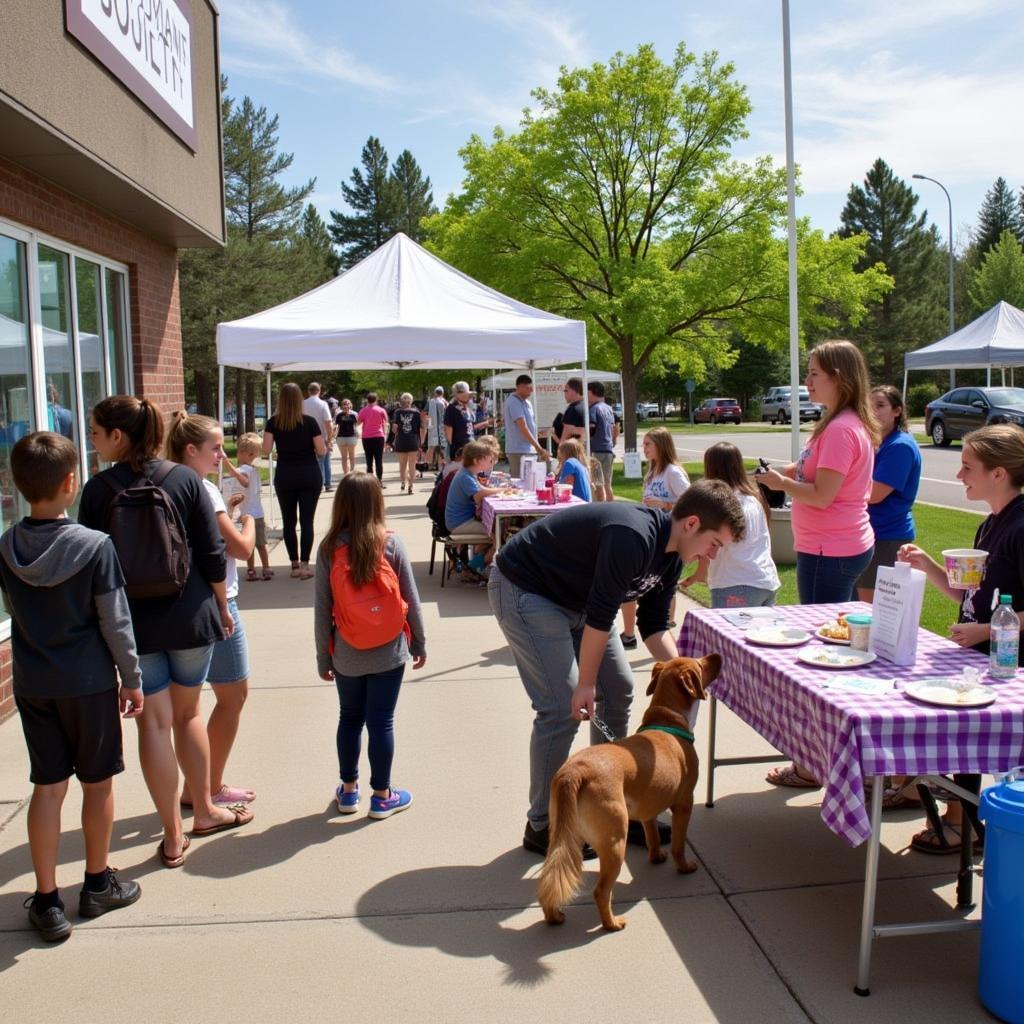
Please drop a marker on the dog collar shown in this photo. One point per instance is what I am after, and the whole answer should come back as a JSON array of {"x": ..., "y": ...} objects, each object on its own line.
[{"x": 681, "y": 733}]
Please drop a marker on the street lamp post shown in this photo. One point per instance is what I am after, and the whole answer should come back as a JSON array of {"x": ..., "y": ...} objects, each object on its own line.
[{"x": 952, "y": 317}]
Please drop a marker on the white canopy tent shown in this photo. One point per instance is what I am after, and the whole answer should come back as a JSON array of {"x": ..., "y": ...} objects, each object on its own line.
[{"x": 996, "y": 338}]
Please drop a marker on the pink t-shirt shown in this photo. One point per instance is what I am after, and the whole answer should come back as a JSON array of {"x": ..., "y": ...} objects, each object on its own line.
[
  {"x": 374, "y": 419},
  {"x": 843, "y": 528}
]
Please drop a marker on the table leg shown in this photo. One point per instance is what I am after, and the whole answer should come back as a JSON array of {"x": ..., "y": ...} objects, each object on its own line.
[
  {"x": 867, "y": 921},
  {"x": 709, "y": 800}
]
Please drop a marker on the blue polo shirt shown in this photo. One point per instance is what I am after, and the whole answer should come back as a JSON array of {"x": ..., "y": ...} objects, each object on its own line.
[{"x": 898, "y": 464}]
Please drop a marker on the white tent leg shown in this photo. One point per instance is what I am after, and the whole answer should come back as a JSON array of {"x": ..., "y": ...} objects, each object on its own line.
[
  {"x": 904, "y": 392},
  {"x": 988, "y": 376},
  {"x": 1002, "y": 374},
  {"x": 270, "y": 485},
  {"x": 586, "y": 414},
  {"x": 220, "y": 416}
]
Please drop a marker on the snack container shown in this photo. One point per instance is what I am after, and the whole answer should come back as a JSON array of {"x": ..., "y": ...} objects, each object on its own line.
[
  {"x": 860, "y": 631},
  {"x": 964, "y": 567}
]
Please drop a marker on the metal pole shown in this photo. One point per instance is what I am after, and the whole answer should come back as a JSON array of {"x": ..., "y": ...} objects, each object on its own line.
[
  {"x": 794, "y": 322},
  {"x": 270, "y": 487},
  {"x": 220, "y": 415},
  {"x": 952, "y": 314}
]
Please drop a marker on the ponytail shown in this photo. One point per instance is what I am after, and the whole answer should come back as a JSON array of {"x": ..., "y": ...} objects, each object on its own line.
[
  {"x": 139, "y": 420},
  {"x": 185, "y": 429}
]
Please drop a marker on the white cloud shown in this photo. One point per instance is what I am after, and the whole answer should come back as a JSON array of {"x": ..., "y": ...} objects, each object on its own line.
[{"x": 262, "y": 39}]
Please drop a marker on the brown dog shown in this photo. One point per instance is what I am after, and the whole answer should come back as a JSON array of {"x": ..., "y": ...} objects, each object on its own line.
[{"x": 597, "y": 791}]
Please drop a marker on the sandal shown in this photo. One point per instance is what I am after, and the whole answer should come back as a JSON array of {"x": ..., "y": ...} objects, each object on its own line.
[
  {"x": 296, "y": 571},
  {"x": 935, "y": 843},
  {"x": 242, "y": 816},
  {"x": 268, "y": 574},
  {"x": 250, "y": 576},
  {"x": 305, "y": 573},
  {"x": 228, "y": 796},
  {"x": 173, "y": 862},
  {"x": 894, "y": 798},
  {"x": 789, "y": 776}
]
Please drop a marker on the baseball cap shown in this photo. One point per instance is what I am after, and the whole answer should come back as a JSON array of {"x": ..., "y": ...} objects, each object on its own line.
[{"x": 460, "y": 386}]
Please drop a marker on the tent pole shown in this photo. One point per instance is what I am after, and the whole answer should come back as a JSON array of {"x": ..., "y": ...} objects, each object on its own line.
[
  {"x": 1002, "y": 372},
  {"x": 220, "y": 416},
  {"x": 988, "y": 376},
  {"x": 586, "y": 414},
  {"x": 269, "y": 412},
  {"x": 905, "y": 372}
]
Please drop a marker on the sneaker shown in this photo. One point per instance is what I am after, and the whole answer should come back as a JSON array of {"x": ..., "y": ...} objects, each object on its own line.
[
  {"x": 628, "y": 641},
  {"x": 381, "y": 807},
  {"x": 348, "y": 803},
  {"x": 51, "y": 923},
  {"x": 536, "y": 841},
  {"x": 116, "y": 895}
]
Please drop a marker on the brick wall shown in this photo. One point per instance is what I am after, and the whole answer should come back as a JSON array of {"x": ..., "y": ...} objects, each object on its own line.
[{"x": 34, "y": 203}]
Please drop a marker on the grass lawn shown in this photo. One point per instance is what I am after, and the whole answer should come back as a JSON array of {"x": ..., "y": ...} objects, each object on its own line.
[
  {"x": 937, "y": 528},
  {"x": 683, "y": 427}
]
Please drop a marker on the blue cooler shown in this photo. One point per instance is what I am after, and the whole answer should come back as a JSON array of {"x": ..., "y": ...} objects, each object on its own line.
[{"x": 1001, "y": 980}]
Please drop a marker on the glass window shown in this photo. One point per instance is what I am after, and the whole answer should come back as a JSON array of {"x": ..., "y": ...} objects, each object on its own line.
[
  {"x": 58, "y": 349},
  {"x": 117, "y": 334},
  {"x": 90, "y": 346}
]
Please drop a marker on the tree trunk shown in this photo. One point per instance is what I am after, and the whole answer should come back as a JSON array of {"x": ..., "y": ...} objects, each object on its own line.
[
  {"x": 250, "y": 404},
  {"x": 629, "y": 405},
  {"x": 206, "y": 403}
]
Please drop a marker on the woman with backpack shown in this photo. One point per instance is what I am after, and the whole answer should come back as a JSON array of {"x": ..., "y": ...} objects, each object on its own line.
[
  {"x": 367, "y": 624},
  {"x": 145, "y": 503},
  {"x": 298, "y": 479}
]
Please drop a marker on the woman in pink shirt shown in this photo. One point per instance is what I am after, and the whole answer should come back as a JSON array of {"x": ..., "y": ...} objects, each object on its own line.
[
  {"x": 830, "y": 485},
  {"x": 374, "y": 421}
]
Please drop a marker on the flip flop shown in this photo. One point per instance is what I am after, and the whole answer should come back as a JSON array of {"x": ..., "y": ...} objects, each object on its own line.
[
  {"x": 228, "y": 796},
  {"x": 925, "y": 842},
  {"x": 268, "y": 574},
  {"x": 251, "y": 577},
  {"x": 242, "y": 816},
  {"x": 173, "y": 862},
  {"x": 894, "y": 799},
  {"x": 789, "y": 776}
]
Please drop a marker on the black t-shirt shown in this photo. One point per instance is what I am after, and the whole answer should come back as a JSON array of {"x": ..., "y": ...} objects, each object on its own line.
[
  {"x": 594, "y": 558},
  {"x": 295, "y": 445},
  {"x": 346, "y": 424},
  {"x": 574, "y": 414},
  {"x": 407, "y": 423},
  {"x": 460, "y": 419},
  {"x": 1002, "y": 536}
]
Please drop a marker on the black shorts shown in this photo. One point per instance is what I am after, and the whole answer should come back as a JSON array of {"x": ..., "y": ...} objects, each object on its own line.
[
  {"x": 72, "y": 736},
  {"x": 885, "y": 554}
]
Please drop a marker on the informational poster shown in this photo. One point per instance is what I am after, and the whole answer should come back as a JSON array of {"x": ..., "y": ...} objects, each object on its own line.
[
  {"x": 896, "y": 613},
  {"x": 631, "y": 461},
  {"x": 548, "y": 395}
]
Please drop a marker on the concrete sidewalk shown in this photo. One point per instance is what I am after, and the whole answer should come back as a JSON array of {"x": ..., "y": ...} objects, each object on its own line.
[{"x": 431, "y": 915}]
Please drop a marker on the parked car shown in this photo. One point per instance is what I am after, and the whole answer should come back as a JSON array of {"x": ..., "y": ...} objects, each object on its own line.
[
  {"x": 644, "y": 410},
  {"x": 962, "y": 410},
  {"x": 775, "y": 406},
  {"x": 718, "y": 410}
]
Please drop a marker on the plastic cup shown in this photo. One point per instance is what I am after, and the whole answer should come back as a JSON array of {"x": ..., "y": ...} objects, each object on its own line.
[
  {"x": 564, "y": 493},
  {"x": 964, "y": 567}
]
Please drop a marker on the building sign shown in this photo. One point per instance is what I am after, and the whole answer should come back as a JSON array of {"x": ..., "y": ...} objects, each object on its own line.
[{"x": 147, "y": 44}]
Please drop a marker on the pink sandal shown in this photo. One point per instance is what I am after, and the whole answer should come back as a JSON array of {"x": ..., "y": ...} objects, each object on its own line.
[{"x": 228, "y": 795}]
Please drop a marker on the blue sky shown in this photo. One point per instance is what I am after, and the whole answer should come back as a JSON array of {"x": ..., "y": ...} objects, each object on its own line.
[{"x": 931, "y": 86}]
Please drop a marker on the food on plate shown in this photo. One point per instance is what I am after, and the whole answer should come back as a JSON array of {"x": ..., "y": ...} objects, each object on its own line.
[{"x": 838, "y": 630}]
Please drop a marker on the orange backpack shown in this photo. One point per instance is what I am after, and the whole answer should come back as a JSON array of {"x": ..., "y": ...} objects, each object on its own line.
[{"x": 370, "y": 615}]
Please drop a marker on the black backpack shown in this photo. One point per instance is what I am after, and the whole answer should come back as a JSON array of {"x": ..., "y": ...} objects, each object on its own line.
[{"x": 148, "y": 534}]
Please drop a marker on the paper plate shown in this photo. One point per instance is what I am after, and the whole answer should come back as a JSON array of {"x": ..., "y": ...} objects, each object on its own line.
[
  {"x": 824, "y": 657},
  {"x": 829, "y": 639},
  {"x": 943, "y": 693},
  {"x": 777, "y": 636}
]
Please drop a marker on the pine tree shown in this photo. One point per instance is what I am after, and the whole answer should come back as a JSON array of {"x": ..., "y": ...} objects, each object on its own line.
[
  {"x": 998, "y": 213},
  {"x": 1000, "y": 276},
  {"x": 317, "y": 238},
  {"x": 373, "y": 198},
  {"x": 255, "y": 199},
  {"x": 414, "y": 196},
  {"x": 914, "y": 312}
]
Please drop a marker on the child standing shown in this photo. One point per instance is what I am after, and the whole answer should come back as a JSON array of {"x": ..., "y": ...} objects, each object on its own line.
[
  {"x": 571, "y": 468},
  {"x": 71, "y": 635},
  {"x": 250, "y": 447},
  {"x": 358, "y": 552},
  {"x": 198, "y": 442}
]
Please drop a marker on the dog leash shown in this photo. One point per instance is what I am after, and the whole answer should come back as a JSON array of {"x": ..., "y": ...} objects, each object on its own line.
[{"x": 602, "y": 727}]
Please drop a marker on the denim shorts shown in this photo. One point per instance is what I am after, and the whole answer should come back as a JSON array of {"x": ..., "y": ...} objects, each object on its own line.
[
  {"x": 230, "y": 662},
  {"x": 741, "y": 597},
  {"x": 186, "y": 668}
]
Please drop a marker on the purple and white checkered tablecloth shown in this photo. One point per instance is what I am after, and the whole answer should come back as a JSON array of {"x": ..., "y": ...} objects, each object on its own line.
[
  {"x": 520, "y": 507},
  {"x": 843, "y": 737}
]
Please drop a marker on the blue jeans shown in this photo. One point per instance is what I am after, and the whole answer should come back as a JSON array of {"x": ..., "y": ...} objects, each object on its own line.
[
  {"x": 325, "y": 467},
  {"x": 741, "y": 597},
  {"x": 545, "y": 640},
  {"x": 368, "y": 700},
  {"x": 825, "y": 579}
]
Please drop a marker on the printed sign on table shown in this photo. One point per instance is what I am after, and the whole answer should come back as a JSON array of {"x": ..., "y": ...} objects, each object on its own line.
[{"x": 896, "y": 613}]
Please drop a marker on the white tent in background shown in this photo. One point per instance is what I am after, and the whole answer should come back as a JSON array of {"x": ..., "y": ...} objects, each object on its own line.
[
  {"x": 507, "y": 381},
  {"x": 996, "y": 338}
]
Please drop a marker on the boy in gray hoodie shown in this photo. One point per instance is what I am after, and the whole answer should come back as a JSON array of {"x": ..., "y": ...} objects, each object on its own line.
[{"x": 71, "y": 635}]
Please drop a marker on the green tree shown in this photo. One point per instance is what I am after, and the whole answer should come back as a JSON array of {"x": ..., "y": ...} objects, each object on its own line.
[
  {"x": 265, "y": 261},
  {"x": 373, "y": 196},
  {"x": 619, "y": 202},
  {"x": 414, "y": 197},
  {"x": 256, "y": 201},
  {"x": 998, "y": 213},
  {"x": 914, "y": 312},
  {"x": 313, "y": 232},
  {"x": 1000, "y": 276}
]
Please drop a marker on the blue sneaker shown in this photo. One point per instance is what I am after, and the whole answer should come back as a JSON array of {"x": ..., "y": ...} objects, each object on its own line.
[
  {"x": 384, "y": 808},
  {"x": 348, "y": 803}
]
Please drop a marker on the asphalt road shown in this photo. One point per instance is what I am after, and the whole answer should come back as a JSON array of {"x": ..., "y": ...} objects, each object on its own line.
[{"x": 939, "y": 466}]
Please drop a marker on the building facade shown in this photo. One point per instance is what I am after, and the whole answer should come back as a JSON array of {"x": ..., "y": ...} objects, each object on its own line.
[{"x": 110, "y": 161}]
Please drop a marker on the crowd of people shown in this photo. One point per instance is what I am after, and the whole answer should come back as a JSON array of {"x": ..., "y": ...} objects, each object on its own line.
[{"x": 146, "y": 582}]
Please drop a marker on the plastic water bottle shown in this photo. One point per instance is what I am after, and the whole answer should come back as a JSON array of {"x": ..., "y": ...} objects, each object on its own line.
[{"x": 1004, "y": 640}]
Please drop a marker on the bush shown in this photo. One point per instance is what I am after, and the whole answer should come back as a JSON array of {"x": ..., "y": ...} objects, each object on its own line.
[{"x": 920, "y": 395}]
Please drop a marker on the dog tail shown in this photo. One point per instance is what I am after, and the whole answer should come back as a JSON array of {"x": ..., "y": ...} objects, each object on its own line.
[{"x": 559, "y": 879}]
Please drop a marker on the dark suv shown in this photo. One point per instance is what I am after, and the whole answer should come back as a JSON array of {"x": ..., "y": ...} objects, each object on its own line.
[
  {"x": 718, "y": 410},
  {"x": 965, "y": 409}
]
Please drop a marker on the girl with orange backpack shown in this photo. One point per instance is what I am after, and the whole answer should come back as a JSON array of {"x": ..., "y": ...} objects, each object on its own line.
[{"x": 367, "y": 624}]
